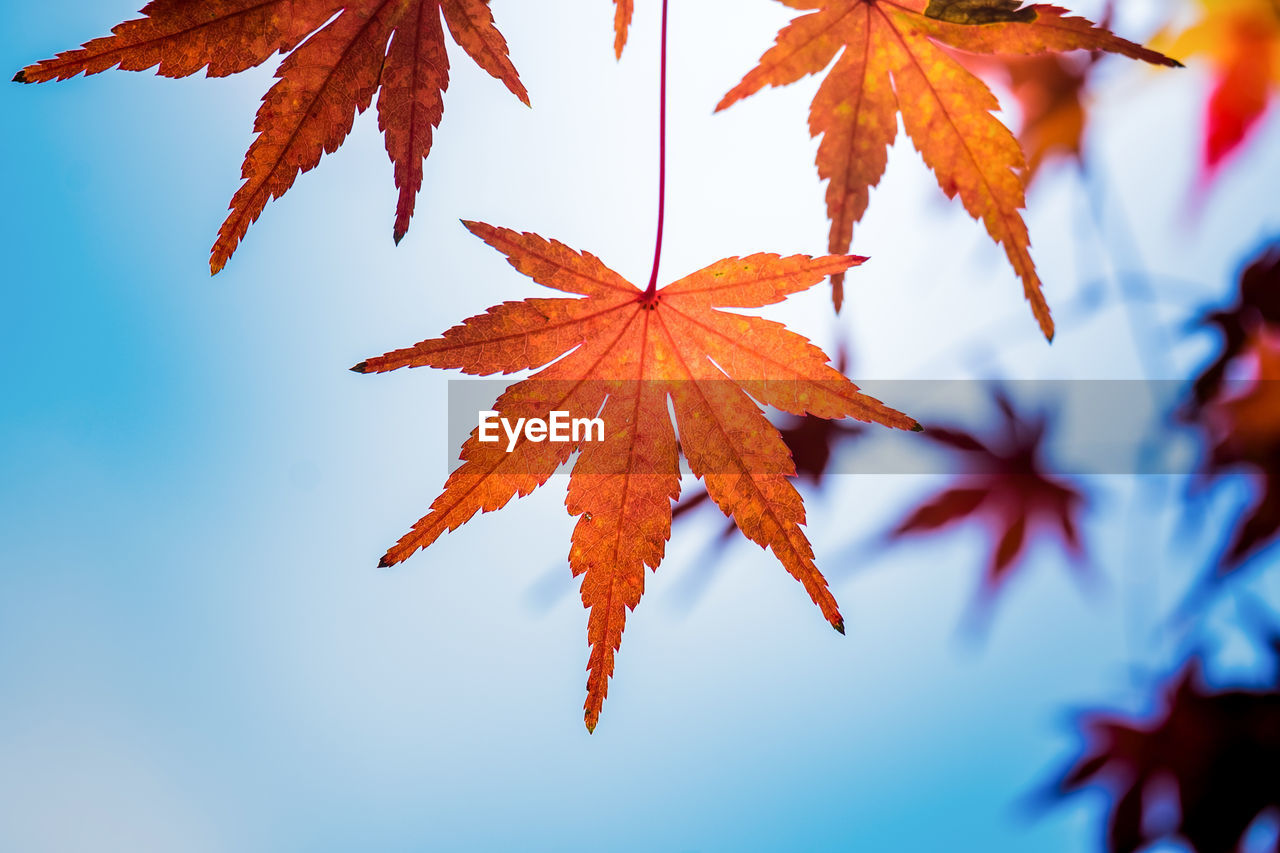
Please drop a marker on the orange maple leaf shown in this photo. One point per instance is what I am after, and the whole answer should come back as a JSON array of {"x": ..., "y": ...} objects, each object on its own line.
[
  {"x": 891, "y": 61},
  {"x": 622, "y": 354},
  {"x": 394, "y": 47},
  {"x": 1241, "y": 38}
]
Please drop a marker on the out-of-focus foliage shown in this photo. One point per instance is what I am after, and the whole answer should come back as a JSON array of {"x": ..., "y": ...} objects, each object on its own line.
[
  {"x": 1200, "y": 771},
  {"x": 1050, "y": 89},
  {"x": 1009, "y": 492},
  {"x": 1241, "y": 41},
  {"x": 1236, "y": 401}
]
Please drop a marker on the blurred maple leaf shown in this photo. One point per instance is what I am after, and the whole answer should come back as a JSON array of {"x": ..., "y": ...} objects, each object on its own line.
[
  {"x": 1049, "y": 89},
  {"x": 1241, "y": 418},
  {"x": 1244, "y": 431},
  {"x": 331, "y": 73},
  {"x": 1247, "y": 424},
  {"x": 1255, "y": 309},
  {"x": 1215, "y": 755},
  {"x": 1241, "y": 39},
  {"x": 1008, "y": 492},
  {"x": 891, "y": 60},
  {"x": 626, "y": 352}
]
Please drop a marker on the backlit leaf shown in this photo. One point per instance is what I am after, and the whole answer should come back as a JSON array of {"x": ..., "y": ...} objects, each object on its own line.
[
  {"x": 889, "y": 59},
  {"x": 627, "y": 356},
  {"x": 332, "y": 72}
]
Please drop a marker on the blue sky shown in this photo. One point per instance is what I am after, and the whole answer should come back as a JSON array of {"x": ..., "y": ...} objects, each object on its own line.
[{"x": 196, "y": 651}]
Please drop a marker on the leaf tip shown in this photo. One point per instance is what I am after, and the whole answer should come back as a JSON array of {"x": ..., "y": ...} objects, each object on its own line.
[
  {"x": 21, "y": 77},
  {"x": 917, "y": 427},
  {"x": 838, "y": 624},
  {"x": 384, "y": 563},
  {"x": 362, "y": 367},
  {"x": 592, "y": 722},
  {"x": 479, "y": 229}
]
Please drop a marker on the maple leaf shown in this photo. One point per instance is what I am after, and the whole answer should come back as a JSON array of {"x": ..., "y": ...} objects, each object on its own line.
[
  {"x": 1244, "y": 429},
  {"x": 1255, "y": 309},
  {"x": 1009, "y": 492},
  {"x": 891, "y": 60},
  {"x": 1242, "y": 418},
  {"x": 622, "y": 354},
  {"x": 621, "y": 22},
  {"x": 1220, "y": 751},
  {"x": 393, "y": 47},
  {"x": 1241, "y": 38}
]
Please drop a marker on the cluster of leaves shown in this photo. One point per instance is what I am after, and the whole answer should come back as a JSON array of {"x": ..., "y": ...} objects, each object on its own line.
[
  {"x": 1201, "y": 772},
  {"x": 621, "y": 349}
]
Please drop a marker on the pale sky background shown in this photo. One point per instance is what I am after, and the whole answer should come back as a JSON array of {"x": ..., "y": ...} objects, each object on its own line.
[{"x": 196, "y": 651}]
